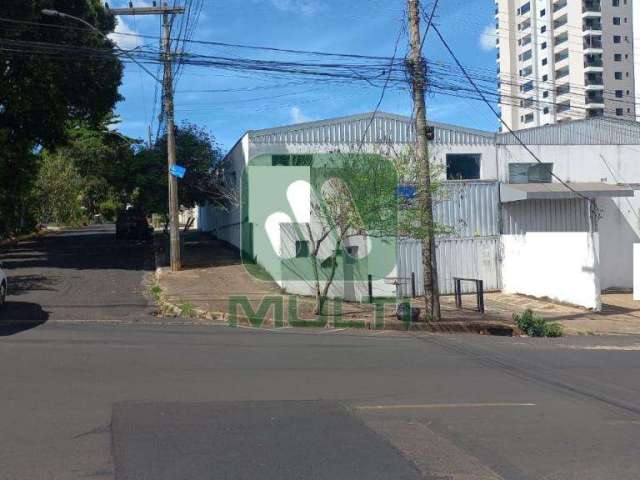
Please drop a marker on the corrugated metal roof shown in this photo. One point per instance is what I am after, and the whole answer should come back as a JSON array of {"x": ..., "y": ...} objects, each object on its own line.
[
  {"x": 590, "y": 131},
  {"x": 385, "y": 128}
]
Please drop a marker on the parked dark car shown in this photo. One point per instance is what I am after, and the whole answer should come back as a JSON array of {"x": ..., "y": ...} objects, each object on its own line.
[{"x": 133, "y": 225}]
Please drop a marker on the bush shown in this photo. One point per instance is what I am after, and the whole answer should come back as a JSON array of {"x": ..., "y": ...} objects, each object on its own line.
[
  {"x": 536, "y": 326},
  {"x": 553, "y": 330}
]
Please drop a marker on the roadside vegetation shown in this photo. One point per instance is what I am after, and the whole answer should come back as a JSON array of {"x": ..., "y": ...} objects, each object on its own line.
[
  {"x": 67, "y": 164},
  {"x": 536, "y": 326}
]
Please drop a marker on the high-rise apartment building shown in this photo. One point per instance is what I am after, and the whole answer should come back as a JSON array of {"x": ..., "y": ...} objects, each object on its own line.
[{"x": 560, "y": 60}]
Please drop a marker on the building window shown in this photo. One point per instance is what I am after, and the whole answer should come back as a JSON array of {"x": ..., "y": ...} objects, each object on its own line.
[
  {"x": 617, "y": 57},
  {"x": 617, "y": 39},
  {"x": 619, "y": 93},
  {"x": 616, "y": 20},
  {"x": 463, "y": 166},
  {"x": 292, "y": 160},
  {"x": 302, "y": 248},
  {"x": 530, "y": 172},
  {"x": 619, "y": 112},
  {"x": 527, "y": 87},
  {"x": 618, "y": 75}
]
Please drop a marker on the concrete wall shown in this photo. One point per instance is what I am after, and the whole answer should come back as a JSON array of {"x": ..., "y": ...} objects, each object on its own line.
[{"x": 562, "y": 266}]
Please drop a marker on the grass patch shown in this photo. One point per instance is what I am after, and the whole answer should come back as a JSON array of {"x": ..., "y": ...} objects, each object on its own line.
[
  {"x": 536, "y": 326},
  {"x": 186, "y": 309},
  {"x": 155, "y": 291}
]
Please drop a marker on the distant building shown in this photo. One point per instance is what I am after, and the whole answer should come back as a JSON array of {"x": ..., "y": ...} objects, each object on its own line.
[
  {"x": 561, "y": 60},
  {"x": 514, "y": 224}
]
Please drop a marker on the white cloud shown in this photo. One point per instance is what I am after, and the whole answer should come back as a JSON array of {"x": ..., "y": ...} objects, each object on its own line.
[
  {"x": 306, "y": 7},
  {"x": 297, "y": 116},
  {"x": 488, "y": 38},
  {"x": 129, "y": 39}
]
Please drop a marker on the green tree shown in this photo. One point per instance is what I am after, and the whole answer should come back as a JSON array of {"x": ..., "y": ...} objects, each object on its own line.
[
  {"x": 53, "y": 71},
  {"x": 197, "y": 151},
  {"x": 59, "y": 191},
  {"x": 104, "y": 159}
]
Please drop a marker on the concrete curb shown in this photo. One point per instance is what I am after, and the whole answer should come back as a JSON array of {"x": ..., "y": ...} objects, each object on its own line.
[{"x": 168, "y": 307}]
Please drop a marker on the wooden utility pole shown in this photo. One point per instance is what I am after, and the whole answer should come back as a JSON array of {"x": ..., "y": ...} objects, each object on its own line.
[
  {"x": 418, "y": 73},
  {"x": 165, "y": 11}
]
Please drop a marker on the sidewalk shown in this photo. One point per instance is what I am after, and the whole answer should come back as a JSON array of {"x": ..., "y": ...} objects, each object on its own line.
[{"x": 213, "y": 273}]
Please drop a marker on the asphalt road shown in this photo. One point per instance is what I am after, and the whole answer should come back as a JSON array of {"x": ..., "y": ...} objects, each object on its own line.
[
  {"x": 77, "y": 275},
  {"x": 128, "y": 400}
]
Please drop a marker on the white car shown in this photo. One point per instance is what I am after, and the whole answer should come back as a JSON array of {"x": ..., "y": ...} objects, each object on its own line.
[{"x": 3, "y": 286}]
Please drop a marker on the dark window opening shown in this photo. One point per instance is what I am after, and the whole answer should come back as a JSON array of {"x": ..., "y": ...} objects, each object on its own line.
[
  {"x": 530, "y": 172},
  {"x": 463, "y": 167},
  {"x": 302, "y": 248}
]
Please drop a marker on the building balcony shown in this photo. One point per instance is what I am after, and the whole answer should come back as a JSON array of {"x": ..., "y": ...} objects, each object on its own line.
[
  {"x": 593, "y": 64},
  {"x": 559, "y": 5},
  {"x": 591, "y": 8},
  {"x": 593, "y": 69}
]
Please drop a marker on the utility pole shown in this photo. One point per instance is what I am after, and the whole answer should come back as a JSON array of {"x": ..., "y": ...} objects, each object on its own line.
[
  {"x": 166, "y": 11},
  {"x": 418, "y": 72}
]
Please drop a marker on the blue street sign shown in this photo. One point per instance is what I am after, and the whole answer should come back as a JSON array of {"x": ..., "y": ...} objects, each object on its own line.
[
  {"x": 177, "y": 171},
  {"x": 406, "y": 191}
]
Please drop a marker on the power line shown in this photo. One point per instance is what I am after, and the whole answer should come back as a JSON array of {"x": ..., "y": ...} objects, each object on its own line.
[
  {"x": 518, "y": 139},
  {"x": 384, "y": 88}
]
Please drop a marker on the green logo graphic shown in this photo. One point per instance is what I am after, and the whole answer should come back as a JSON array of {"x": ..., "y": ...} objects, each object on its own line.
[{"x": 316, "y": 219}]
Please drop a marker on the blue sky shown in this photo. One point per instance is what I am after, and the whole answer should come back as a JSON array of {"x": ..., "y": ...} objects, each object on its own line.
[{"x": 367, "y": 27}]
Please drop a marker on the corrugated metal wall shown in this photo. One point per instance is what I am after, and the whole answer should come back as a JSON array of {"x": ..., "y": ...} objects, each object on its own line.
[
  {"x": 457, "y": 257},
  {"x": 472, "y": 209},
  {"x": 571, "y": 215}
]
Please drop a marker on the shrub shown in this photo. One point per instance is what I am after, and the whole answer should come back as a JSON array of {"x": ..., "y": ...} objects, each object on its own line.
[
  {"x": 553, "y": 330},
  {"x": 536, "y": 326}
]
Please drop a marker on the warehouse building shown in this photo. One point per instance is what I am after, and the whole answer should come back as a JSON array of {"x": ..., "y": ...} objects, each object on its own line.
[{"x": 563, "y": 229}]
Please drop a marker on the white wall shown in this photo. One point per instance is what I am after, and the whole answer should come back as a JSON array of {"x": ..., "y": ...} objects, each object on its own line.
[
  {"x": 559, "y": 265},
  {"x": 619, "y": 225},
  {"x": 226, "y": 224}
]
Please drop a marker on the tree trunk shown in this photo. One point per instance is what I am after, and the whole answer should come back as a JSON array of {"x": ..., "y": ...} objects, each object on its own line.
[{"x": 417, "y": 69}]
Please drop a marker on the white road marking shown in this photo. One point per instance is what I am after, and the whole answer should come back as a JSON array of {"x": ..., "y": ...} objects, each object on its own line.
[
  {"x": 443, "y": 406},
  {"x": 334, "y": 330},
  {"x": 620, "y": 348}
]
